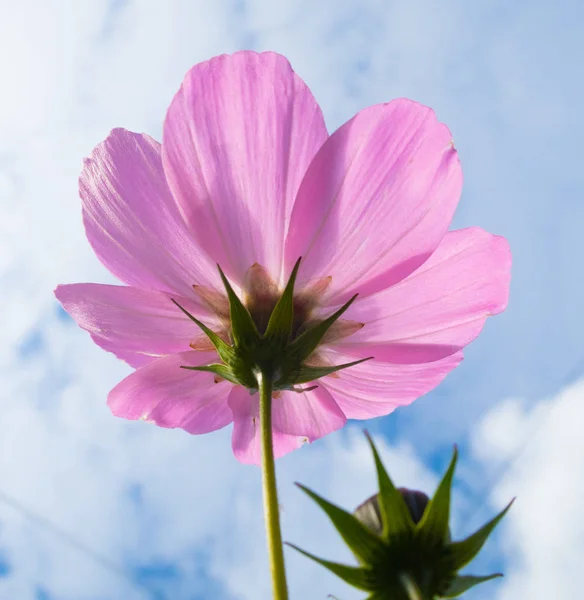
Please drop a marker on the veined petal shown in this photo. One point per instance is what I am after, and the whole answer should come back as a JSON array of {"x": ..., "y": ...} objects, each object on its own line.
[
  {"x": 246, "y": 437},
  {"x": 136, "y": 325},
  {"x": 311, "y": 414},
  {"x": 168, "y": 396},
  {"x": 439, "y": 308},
  {"x": 132, "y": 220},
  {"x": 376, "y": 200},
  {"x": 238, "y": 138},
  {"x": 374, "y": 389}
]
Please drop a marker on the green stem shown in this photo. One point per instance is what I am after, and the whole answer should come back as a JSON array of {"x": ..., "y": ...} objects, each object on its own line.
[
  {"x": 412, "y": 590},
  {"x": 271, "y": 507}
]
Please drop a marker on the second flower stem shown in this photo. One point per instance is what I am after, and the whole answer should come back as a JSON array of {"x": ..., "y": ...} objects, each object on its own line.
[
  {"x": 412, "y": 590},
  {"x": 270, "y": 492}
]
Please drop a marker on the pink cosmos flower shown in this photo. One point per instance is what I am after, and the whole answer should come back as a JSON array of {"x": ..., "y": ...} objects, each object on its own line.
[{"x": 247, "y": 177}]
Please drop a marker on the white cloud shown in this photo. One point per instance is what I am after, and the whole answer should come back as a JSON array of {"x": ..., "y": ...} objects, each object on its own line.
[{"x": 543, "y": 535}]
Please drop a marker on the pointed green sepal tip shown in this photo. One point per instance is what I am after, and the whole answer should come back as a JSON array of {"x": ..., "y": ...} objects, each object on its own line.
[
  {"x": 280, "y": 325},
  {"x": 307, "y": 373},
  {"x": 364, "y": 544},
  {"x": 307, "y": 342},
  {"x": 464, "y": 551},
  {"x": 463, "y": 583},
  {"x": 395, "y": 516},
  {"x": 303, "y": 390},
  {"x": 221, "y": 371},
  {"x": 434, "y": 524},
  {"x": 225, "y": 351},
  {"x": 243, "y": 328},
  {"x": 359, "y": 577},
  {"x": 409, "y": 540}
]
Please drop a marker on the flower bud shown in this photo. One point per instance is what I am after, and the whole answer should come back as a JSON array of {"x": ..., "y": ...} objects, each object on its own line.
[
  {"x": 369, "y": 512},
  {"x": 401, "y": 538},
  {"x": 416, "y": 503}
]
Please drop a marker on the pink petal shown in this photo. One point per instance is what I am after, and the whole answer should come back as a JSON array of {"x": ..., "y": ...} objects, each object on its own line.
[
  {"x": 438, "y": 309},
  {"x": 312, "y": 414},
  {"x": 376, "y": 200},
  {"x": 373, "y": 389},
  {"x": 238, "y": 137},
  {"x": 132, "y": 221},
  {"x": 136, "y": 325},
  {"x": 246, "y": 437},
  {"x": 163, "y": 393}
]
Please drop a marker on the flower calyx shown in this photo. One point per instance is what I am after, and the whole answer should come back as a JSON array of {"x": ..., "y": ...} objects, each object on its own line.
[
  {"x": 278, "y": 350},
  {"x": 401, "y": 538}
]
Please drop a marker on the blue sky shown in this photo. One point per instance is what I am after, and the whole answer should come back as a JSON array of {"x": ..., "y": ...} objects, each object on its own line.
[{"x": 95, "y": 508}]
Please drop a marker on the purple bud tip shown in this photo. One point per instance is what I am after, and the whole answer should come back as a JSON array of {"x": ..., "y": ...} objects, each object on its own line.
[{"x": 416, "y": 502}]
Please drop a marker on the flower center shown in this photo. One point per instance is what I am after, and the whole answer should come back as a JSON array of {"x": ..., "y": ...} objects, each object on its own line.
[
  {"x": 269, "y": 330},
  {"x": 261, "y": 295}
]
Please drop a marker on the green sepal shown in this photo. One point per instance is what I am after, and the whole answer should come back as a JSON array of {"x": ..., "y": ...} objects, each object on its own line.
[
  {"x": 434, "y": 524},
  {"x": 465, "y": 550},
  {"x": 306, "y": 373},
  {"x": 243, "y": 328},
  {"x": 395, "y": 516},
  {"x": 303, "y": 390},
  {"x": 365, "y": 545},
  {"x": 306, "y": 343},
  {"x": 279, "y": 329},
  {"x": 225, "y": 351},
  {"x": 359, "y": 577},
  {"x": 222, "y": 371},
  {"x": 463, "y": 583}
]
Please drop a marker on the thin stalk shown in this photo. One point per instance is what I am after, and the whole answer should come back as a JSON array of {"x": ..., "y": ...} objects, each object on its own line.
[
  {"x": 270, "y": 492},
  {"x": 412, "y": 590}
]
